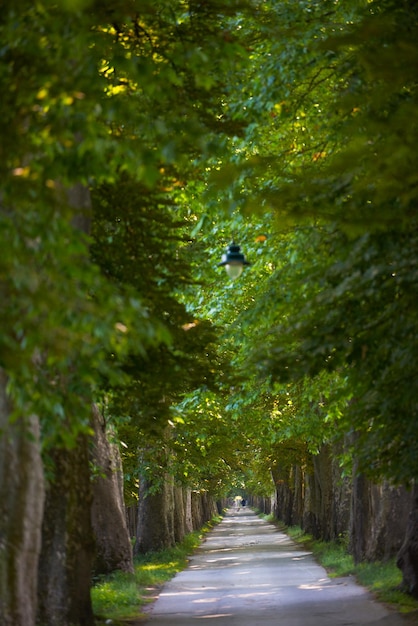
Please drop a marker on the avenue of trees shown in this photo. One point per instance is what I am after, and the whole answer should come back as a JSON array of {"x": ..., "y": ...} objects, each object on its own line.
[{"x": 138, "y": 139}]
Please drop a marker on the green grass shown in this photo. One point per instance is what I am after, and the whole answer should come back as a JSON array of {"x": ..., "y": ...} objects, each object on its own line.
[
  {"x": 381, "y": 578},
  {"x": 122, "y": 597},
  {"x": 117, "y": 597}
]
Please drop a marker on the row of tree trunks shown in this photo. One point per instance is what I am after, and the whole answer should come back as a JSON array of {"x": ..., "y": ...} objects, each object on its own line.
[
  {"x": 84, "y": 527},
  {"x": 47, "y": 544},
  {"x": 264, "y": 504},
  {"x": 167, "y": 514},
  {"x": 379, "y": 520},
  {"x": 318, "y": 514},
  {"x": 284, "y": 488},
  {"x": 183, "y": 515}
]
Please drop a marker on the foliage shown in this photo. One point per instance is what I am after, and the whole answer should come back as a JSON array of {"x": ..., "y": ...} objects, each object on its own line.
[
  {"x": 91, "y": 91},
  {"x": 288, "y": 126},
  {"x": 137, "y": 234},
  {"x": 330, "y": 312},
  {"x": 337, "y": 295},
  {"x": 357, "y": 317}
]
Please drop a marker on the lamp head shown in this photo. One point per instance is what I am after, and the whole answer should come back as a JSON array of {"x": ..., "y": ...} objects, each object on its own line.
[{"x": 234, "y": 261}]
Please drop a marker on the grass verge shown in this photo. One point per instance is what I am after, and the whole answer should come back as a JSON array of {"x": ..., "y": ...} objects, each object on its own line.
[
  {"x": 122, "y": 597},
  {"x": 381, "y": 578}
]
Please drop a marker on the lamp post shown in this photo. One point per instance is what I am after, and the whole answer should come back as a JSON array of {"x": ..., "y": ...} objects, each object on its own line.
[{"x": 234, "y": 261}]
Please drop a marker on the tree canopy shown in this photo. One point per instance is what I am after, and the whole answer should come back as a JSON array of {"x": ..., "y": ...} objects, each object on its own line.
[
  {"x": 138, "y": 140},
  {"x": 326, "y": 183}
]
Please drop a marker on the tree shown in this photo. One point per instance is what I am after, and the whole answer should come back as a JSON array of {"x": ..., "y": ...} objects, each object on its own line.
[
  {"x": 356, "y": 315},
  {"x": 330, "y": 157},
  {"x": 82, "y": 82},
  {"x": 112, "y": 541},
  {"x": 316, "y": 161}
]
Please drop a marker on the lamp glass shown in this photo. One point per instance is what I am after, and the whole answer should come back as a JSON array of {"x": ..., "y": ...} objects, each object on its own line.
[{"x": 234, "y": 270}]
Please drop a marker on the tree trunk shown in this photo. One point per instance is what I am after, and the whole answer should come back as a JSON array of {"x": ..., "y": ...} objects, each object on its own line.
[
  {"x": 318, "y": 496},
  {"x": 113, "y": 546},
  {"x": 298, "y": 495},
  {"x": 341, "y": 498},
  {"x": 67, "y": 542},
  {"x": 284, "y": 494},
  {"x": 155, "y": 517},
  {"x": 407, "y": 560},
  {"x": 21, "y": 509},
  {"x": 208, "y": 507},
  {"x": 132, "y": 519},
  {"x": 197, "y": 511},
  {"x": 180, "y": 529},
  {"x": 187, "y": 499},
  {"x": 379, "y": 519}
]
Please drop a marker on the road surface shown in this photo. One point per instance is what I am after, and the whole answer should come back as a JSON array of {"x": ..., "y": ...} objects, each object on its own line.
[{"x": 248, "y": 573}]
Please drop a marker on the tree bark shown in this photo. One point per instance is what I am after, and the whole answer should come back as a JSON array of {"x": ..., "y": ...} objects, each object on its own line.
[
  {"x": 284, "y": 493},
  {"x": 155, "y": 529},
  {"x": 379, "y": 519},
  {"x": 298, "y": 494},
  {"x": 318, "y": 496},
  {"x": 341, "y": 497},
  {"x": 197, "y": 512},
  {"x": 187, "y": 500},
  {"x": 407, "y": 559},
  {"x": 180, "y": 529},
  {"x": 113, "y": 546},
  {"x": 67, "y": 541},
  {"x": 21, "y": 509},
  {"x": 209, "y": 509}
]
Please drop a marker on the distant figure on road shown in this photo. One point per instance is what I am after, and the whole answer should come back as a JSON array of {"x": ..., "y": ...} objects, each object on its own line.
[
  {"x": 238, "y": 503},
  {"x": 243, "y": 502}
]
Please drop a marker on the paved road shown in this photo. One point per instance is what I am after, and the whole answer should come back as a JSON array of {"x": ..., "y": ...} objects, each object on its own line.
[{"x": 247, "y": 573}]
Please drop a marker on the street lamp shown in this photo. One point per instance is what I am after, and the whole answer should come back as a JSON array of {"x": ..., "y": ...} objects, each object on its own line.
[{"x": 234, "y": 261}]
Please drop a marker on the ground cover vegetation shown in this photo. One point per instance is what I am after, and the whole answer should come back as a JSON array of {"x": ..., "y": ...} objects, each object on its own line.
[{"x": 137, "y": 140}]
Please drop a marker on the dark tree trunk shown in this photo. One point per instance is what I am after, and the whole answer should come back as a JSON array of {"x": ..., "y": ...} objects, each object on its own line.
[
  {"x": 67, "y": 542},
  {"x": 208, "y": 507},
  {"x": 169, "y": 507},
  {"x": 407, "y": 560},
  {"x": 67, "y": 539},
  {"x": 359, "y": 517},
  {"x": 341, "y": 498},
  {"x": 298, "y": 493},
  {"x": 284, "y": 493},
  {"x": 21, "y": 509},
  {"x": 197, "y": 511},
  {"x": 132, "y": 519},
  {"x": 318, "y": 496},
  {"x": 221, "y": 505},
  {"x": 113, "y": 546},
  {"x": 379, "y": 519},
  {"x": 155, "y": 517}
]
